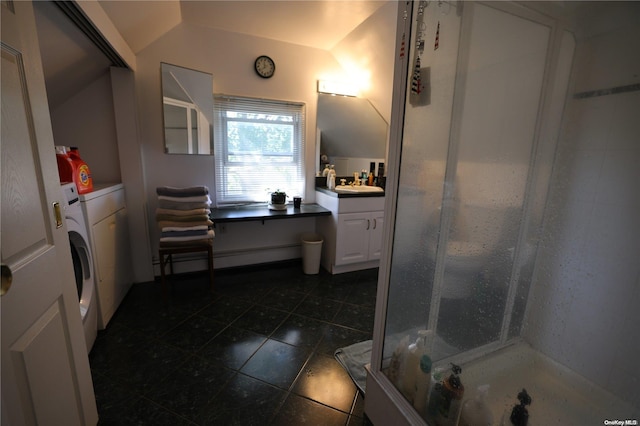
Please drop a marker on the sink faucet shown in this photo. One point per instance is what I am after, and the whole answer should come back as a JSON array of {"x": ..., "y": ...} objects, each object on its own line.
[{"x": 356, "y": 179}]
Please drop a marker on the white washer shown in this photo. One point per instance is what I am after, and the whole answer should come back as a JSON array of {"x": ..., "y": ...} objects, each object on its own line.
[{"x": 82, "y": 261}]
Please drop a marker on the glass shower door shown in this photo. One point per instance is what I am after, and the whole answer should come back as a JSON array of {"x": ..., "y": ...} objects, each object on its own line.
[{"x": 464, "y": 188}]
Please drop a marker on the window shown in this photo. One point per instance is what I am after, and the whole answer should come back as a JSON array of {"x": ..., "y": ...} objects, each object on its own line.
[{"x": 259, "y": 148}]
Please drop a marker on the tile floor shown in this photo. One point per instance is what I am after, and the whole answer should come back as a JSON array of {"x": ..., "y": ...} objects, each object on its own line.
[{"x": 260, "y": 351}]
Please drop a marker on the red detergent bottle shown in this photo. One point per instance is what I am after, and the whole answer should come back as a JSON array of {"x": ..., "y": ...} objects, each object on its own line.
[
  {"x": 65, "y": 168},
  {"x": 72, "y": 168}
]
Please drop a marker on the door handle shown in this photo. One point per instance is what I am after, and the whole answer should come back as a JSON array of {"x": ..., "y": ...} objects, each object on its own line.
[
  {"x": 7, "y": 278},
  {"x": 375, "y": 224},
  {"x": 368, "y": 224},
  {"x": 57, "y": 211}
]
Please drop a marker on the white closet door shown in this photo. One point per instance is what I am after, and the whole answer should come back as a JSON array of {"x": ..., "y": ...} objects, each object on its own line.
[{"x": 45, "y": 369}]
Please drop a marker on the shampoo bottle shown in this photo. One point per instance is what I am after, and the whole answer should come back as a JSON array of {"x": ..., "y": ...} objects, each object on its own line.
[
  {"x": 518, "y": 415},
  {"x": 476, "y": 412},
  {"x": 409, "y": 374},
  {"x": 398, "y": 363},
  {"x": 445, "y": 401},
  {"x": 423, "y": 372}
]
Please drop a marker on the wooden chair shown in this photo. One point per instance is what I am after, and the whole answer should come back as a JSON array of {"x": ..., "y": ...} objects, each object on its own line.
[{"x": 167, "y": 250}]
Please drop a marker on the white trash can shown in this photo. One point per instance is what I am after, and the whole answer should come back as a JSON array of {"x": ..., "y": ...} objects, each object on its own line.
[{"x": 311, "y": 253}]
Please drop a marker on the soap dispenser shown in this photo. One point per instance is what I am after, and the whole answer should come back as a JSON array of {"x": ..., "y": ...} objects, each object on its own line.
[
  {"x": 331, "y": 178},
  {"x": 518, "y": 415}
]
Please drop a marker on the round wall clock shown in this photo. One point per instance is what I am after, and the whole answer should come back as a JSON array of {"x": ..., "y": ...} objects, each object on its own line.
[{"x": 265, "y": 67}]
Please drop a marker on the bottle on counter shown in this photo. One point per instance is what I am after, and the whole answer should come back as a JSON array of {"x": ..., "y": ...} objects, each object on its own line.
[
  {"x": 325, "y": 172},
  {"x": 476, "y": 412},
  {"x": 381, "y": 181},
  {"x": 331, "y": 178}
]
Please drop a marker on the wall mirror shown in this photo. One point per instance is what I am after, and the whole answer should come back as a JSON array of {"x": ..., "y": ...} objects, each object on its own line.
[
  {"x": 187, "y": 103},
  {"x": 350, "y": 134}
]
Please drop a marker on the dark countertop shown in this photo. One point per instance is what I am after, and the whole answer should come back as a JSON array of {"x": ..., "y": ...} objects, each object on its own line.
[
  {"x": 262, "y": 212},
  {"x": 332, "y": 193}
]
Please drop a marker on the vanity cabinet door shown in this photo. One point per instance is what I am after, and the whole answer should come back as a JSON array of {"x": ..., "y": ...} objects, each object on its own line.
[
  {"x": 352, "y": 239},
  {"x": 375, "y": 235},
  {"x": 359, "y": 237}
]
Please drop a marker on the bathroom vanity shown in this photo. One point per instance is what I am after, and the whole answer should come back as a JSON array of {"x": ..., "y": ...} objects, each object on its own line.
[{"x": 353, "y": 232}]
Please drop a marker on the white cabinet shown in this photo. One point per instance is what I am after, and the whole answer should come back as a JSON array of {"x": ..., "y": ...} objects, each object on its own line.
[
  {"x": 358, "y": 237},
  {"x": 106, "y": 216},
  {"x": 353, "y": 233}
]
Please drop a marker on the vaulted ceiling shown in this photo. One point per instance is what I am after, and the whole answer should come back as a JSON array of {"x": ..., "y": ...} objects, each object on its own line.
[
  {"x": 71, "y": 61},
  {"x": 314, "y": 23}
]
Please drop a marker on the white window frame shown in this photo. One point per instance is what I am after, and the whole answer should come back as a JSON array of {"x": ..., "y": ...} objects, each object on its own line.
[{"x": 254, "y": 178}]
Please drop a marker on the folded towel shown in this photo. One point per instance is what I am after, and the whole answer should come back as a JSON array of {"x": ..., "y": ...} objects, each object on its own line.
[
  {"x": 170, "y": 223},
  {"x": 182, "y": 233},
  {"x": 209, "y": 235},
  {"x": 183, "y": 205},
  {"x": 185, "y": 228},
  {"x": 183, "y": 212},
  {"x": 174, "y": 218},
  {"x": 193, "y": 199},
  {"x": 191, "y": 191},
  {"x": 189, "y": 243}
]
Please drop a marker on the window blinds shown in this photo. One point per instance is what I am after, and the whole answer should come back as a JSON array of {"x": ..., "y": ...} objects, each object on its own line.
[{"x": 259, "y": 148}]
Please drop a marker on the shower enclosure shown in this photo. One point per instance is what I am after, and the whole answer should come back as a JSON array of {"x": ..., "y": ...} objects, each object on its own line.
[{"x": 480, "y": 93}]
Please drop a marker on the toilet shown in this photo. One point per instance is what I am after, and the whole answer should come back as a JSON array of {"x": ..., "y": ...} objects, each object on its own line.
[{"x": 464, "y": 262}]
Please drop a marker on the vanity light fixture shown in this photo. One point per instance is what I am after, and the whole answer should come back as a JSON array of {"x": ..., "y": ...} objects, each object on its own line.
[{"x": 337, "y": 88}]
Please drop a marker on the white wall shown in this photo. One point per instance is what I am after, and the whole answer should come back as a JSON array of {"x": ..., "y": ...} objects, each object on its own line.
[
  {"x": 368, "y": 54},
  {"x": 87, "y": 121},
  {"x": 585, "y": 300}
]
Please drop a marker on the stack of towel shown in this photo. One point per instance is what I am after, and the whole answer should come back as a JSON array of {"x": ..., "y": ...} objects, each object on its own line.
[{"x": 183, "y": 214}]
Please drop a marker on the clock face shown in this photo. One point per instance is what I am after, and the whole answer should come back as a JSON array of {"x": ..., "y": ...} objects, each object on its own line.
[{"x": 265, "y": 67}]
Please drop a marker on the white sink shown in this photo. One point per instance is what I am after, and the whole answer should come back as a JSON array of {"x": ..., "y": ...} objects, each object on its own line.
[{"x": 362, "y": 189}]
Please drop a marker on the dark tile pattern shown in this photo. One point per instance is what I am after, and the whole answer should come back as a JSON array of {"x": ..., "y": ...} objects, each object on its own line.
[{"x": 257, "y": 352}]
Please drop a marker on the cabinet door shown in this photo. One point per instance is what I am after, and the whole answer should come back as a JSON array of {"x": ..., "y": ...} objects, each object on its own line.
[
  {"x": 105, "y": 248},
  {"x": 375, "y": 235},
  {"x": 352, "y": 240},
  {"x": 113, "y": 262}
]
